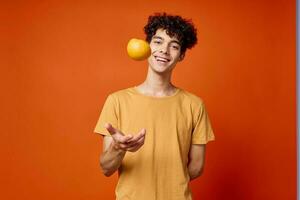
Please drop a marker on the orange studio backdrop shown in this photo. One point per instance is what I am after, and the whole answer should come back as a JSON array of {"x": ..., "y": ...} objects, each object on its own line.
[{"x": 64, "y": 57}]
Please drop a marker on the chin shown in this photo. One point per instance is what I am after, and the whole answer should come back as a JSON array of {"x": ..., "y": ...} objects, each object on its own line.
[{"x": 161, "y": 69}]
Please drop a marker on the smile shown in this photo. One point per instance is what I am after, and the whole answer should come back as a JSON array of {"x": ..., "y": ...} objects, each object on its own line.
[{"x": 161, "y": 59}]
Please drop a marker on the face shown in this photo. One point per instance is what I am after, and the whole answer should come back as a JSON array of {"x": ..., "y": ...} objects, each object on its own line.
[{"x": 165, "y": 52}]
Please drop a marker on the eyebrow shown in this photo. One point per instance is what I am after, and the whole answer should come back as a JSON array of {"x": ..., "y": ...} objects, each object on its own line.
[{"x": 158, "y": 37}]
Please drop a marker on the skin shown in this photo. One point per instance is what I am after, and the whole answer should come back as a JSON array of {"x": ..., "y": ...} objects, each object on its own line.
[
  {"x": 165, "y": 54},
  {"x": 116, "y": 146}
]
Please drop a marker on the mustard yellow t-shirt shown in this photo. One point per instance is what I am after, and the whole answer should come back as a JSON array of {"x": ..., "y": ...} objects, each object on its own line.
[{"x": 158, "y": 170}]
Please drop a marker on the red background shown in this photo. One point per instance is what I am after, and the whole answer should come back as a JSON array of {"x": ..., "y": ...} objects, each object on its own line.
[{"x": 62, "y": 58}]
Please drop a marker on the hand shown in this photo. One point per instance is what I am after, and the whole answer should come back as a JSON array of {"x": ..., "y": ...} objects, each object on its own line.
[{"x": 126, "y": 142}]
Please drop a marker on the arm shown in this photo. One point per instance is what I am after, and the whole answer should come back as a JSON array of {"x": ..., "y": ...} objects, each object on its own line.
[
  {"x": 116, "y": 146},
  {"x": 112, "y": 156},
  {"x": 196, "y": 160}
]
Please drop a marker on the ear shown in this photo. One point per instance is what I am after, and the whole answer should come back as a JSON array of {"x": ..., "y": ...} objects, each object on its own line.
[{"x": 181, "y": 56}]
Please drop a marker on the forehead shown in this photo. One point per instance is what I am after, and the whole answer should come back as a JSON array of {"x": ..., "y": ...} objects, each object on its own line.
[{"x": 162, "y": 34}]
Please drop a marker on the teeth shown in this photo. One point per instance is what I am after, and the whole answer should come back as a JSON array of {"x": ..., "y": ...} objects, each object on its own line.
[{"x": 161, "y": 59}]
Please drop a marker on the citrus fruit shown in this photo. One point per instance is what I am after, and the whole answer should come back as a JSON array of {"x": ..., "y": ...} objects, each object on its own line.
[{"x": 138, "y": 49}]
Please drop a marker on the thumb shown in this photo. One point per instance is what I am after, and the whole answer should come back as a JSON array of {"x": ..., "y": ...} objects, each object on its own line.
[
  {"x": 110, "y": 128},
  {"x": 143, "y": 131}
]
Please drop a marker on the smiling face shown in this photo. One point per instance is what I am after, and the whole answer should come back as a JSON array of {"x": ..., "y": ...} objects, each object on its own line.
[{"x": 165, "y": 52}]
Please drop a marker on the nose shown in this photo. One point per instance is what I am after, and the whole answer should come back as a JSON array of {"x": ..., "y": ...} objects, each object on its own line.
[{"x": 164, "y": 49}]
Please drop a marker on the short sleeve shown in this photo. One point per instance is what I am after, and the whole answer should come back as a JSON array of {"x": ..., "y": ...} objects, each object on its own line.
[
  {"x": 202, "y": 130},
  {"x": 108, "y": 114}
]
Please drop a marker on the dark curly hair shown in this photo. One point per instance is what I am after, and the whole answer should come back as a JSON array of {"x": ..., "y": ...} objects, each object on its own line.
[{"x": 174, "y": 25}]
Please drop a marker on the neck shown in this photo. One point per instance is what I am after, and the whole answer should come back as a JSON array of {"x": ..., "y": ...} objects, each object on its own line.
[{"x": 157, "y": 84}]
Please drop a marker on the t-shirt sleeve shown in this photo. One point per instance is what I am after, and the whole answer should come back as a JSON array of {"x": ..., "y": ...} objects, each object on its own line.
[
  {"x": 108, "y": 114},
  {"x": 202, "y": 130}
]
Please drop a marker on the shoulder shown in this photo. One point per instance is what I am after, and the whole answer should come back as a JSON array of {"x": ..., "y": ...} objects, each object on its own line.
[
  {"x": 192, "y": 98},
  {"x": 121, "y": 93},
  {"x": 196, "y": 103}
]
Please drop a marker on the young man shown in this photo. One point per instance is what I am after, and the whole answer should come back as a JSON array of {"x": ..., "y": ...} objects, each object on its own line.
[{"x": 155, "y": 133}]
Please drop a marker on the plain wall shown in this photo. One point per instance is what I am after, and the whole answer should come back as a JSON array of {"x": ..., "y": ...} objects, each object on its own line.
[{"x": 62, "y": 58}]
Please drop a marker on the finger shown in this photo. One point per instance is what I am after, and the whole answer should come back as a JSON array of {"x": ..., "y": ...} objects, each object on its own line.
[
  {"x": 135, "y": 148},
  {"x": 125, "y": 139},
  {"x": 136, "y": 140},
  {"x": 143, "y": 131},
  {"x": 121, "y": 138},
  {"x": 110, "y": 128},
  {"x": 126, "y": 146},
  {"x": 135, "y": 143},
  {"x": 138, "y": 136},
  {"x": 113, "y": 130},
  {"x": 123, "y": 146}
]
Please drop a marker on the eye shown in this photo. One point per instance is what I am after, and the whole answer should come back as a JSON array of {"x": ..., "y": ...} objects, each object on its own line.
[
  {"x": 157, "y": 42},
  {"x": 175, "y": 47}
]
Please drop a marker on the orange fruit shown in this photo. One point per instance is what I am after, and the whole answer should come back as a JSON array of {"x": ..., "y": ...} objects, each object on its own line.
[{"x": 138, "y": 49}]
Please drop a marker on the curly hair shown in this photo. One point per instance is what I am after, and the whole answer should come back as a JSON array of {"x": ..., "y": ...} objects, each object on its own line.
[{"x": 174, "y": 25}]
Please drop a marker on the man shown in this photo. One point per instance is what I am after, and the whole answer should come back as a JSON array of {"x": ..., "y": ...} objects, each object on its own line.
[{"x": 155, "y": 133}]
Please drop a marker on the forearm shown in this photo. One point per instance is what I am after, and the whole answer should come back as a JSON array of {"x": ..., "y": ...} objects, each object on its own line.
[
  {"x": 111, "y": 159},
  {"x": 194, "y": 172}
]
